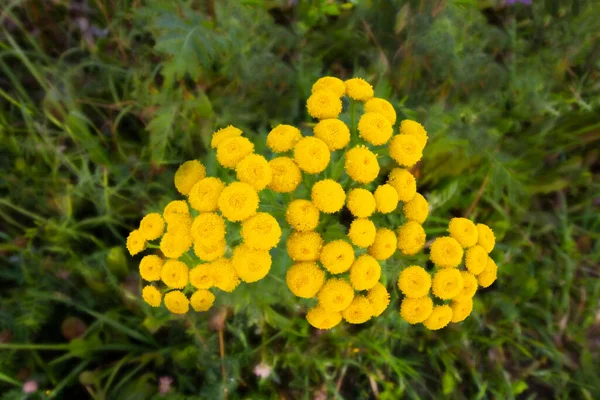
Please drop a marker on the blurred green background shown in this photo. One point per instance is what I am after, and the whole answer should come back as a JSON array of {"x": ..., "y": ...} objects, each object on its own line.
[{"x": 102, "y": 99}]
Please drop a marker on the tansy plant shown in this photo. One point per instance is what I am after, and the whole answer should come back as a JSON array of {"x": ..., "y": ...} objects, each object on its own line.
[{"x": 332, "y": 187}]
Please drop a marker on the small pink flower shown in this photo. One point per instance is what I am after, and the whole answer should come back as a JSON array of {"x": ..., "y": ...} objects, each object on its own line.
[
  {"x": 164, "y": 384},
  {"x": 30, "y": 386},
  {"x": 263, "y": 370}
]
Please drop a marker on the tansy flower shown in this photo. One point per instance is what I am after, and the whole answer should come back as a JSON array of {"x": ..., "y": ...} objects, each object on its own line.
[
  {"x": 152, "y": 226},
  {"x": 304, "y": 279},
  {"x": 210, "y": 251},
  {"x": 312, "y": 155},
  {"x": 282, "y": 138},
  {"x": 150, "y": 268},
  {"x": 254, "y": 170},
  {"x": 375, "y": 128},
  {"x": 447, "y": 283},
  {"x": 233, "y": 150},
  {"x": 439, "y": 318},
  {"x": 135, "y": 242},
  {"x": 324, "y": 104},
  {"x": 365, "y": 272},
  {"x": 238, "y": 201},
  {"x": 174, "y": 274},
  {"x": 416, "y": 209},
  {"x": 208, "y": 228},
  {"x": 251, "y": 265},
  {"x": 359, "y": 311},
  {"x": 286, "y": 176},
  {"x": 204, "y": 195},
  {"x": 223, "y": 274},
  {"x": 405, "y": 150},
  {"x": 176, "y": 302},
  {"x": 330, "y": 83},
  {"x": 261, "y": 231},
  {"x": 174, "y": 244},
  {"x": 337, "y": 256},
  {"x": 469, "y": 286},
  {"x": 404, "y": 183},
  {"x": 361, "y": 164},
  {"x": 446, "y": 252},
  {"x": 151, "y": 295},
  {"x": 328, "y": 195},
  {"x": 202, "y": 300},
  {"x": 464, "y": 231},
  {"x": 361, "y": 203},
  {"x": 304, "y": 246},
  {"x": 411, "y": 238},
  {"x": 416, "y": 310},
  {"x": 322, "y": 319},
  {"x": 302, "y": 215},
  {"x": 476, "y": 259},
  {"x": 385, "y": 244},
  {"x": 333, "y": 132},
  {"x": 415, "y": 129},
  {"x": 488, "y": 275},
  {"x": 486, "y": 238},
  {"x": 335, "y": 295},
  {"x": 461, "y": 309},
  {"x": 223, "y": 134},
  {"x": 379, "y": 298},
  {"x": 414, "y": 282},
  {"x": 188, "y": 174},
  {"x": 383, "y": 107},
  {"x": 175, "y": 210},
  {"x": 358, "y": 89},
  {"x": 201, "y": 276},
  {"x": 386, "y": 198},
  {"x": 362, "y": 232},
  {"x": 180, "y": 224}
]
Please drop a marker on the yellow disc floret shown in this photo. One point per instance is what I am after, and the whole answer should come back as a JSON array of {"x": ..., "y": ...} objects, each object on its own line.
[
  {"x": 283, "y": 138},
  {"x": 223, "y": 134},
  {"x": 305, "y": 279},
  {"x": 201, "y": 276},
  {"x": 358, "y": 89},
  {"x": 254, "y": 170},
  {"x": 176, "y": 302},
  {"x": 151, "y": 295},
  {"x": 208, "y": 228},
  {"x": 304, "y": 246},
  {"x": 361, "y": 202},
  {"x": 330, "y": 83},
  {"x": 175, "y": 211},
  {"x": 469, "y": 286},
  {"x": 302, "y": 215},
  {"x": 447, "y": 283},
  {"x": 312, "y": 155},
  {"x": 223, "y": 275},
  {"x": 324, "y": 104},
  {"x": 476, "y": 259},
  {"x": 328, "y": 196},
  {"x": 461, "y": 309},
  {"x": 188, "y": 174},
  {"x": 365, "y": 272},
  {"x": 251, "y": 265},
  {"x": 415, "y": 129},
  {"x": 210, "y": 251},
  {"x": 238, "y": 201},
  {"x": 382, "y": 107},
  {"x": 405, "y": 150},
  {"x": 337, "y": 256},
  {"x": 152, "y": 226},
  {"x": 439, "y": 318},
  {"x": 286, "y": 176},
  {"x": 135, "y": 242},
  {"x": 411, "y": 238},
  {"x": 464, "y": 231},
  {"x": 379, "y": 298},
  {"x": 416, "y": 209},
  {"x": 404, "y": 182},
  {"x": 486, "y": 238},
  {"x": 333, "y": 132},
  {"x": 386, "y": 198},
  {"x": 322, "y": 319},
  {"x": 375, "y": 128},
  {"x": 233, "y": 150},
  {"x": 361, "y": 164},
  {"x": 174, "y": 243},
  {"x": 174, "y": 274},
  {"x": 359, "y": 311},
  {"x": 416, "y": 310},
  {"x": 150, "y": 268},
  {"x": 488, "y": 275},
  {"x": 414, "y": 282},
  {"x": 204, "y": 196},
  {"x": 362, "y": 232},
  {"x": 261, "y": 231},
  {"x": 385, "y": 244},
  {"x": 202, "y": 300},
  {"x": 446, "y": 252},
  {"x": 335, "y": 295}
]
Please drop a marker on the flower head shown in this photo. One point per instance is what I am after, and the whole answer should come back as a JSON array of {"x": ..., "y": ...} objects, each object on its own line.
[
  {"x": 208, "y": 228},
  {"x": 382, "y": 107},
  {"x": 362, "y": 232},
  {"x": 323, "y": 319},
  {"x": 476, "y": 259},
  {"x": 312, "y": 155},
  {"x": 302, "y": 215},
  {"x": 283, "y": 138},
  {"x": 469, "y": 286},
  {"x": 328, "y": 195},
  {"x": 375, "y": 128},
  {"x": 461, "y": 309},
  {"x": 224, "y": 276},
  {"x": 174, "y": 274},
  {"x": 201, "y": 276},
  {"x": 152, "y": 226},
  {"x": 411, "y": 238},
  {"x": 286, "y": 176},
  {"x": 405, "y": 150},
  {"x": 385, "y": 244},
  {"x": 360, "y": 202},
  {"x": 464, "y": 231},
  {"x": 365, "y": 272},
  {"x": 337, "y": 256},
  {"x": 415, "y": 129},
  {"x": 386, "y": 198},
  {"x": 304, "y": 246},
  {"x": 330, "y": 83},
  {"x": 304, "y": 279},
  {"x": 173, "y": 244},
  {"x": 358, "y": 89},
  {"x": 135, "y": 242},
  {"x": 439, "y": 318},
  {"x": 359, "y": 311},
  {"x": 486, "y": 238},
  {"x": 210, "y": 251},
  {"x": 223, "y": 134},
  {"x": 233, "y": 150},
  {"x": 202, "y": 300},
  {"x": 447, "y": 283},
  {"x": 446, "y": 252},
  {"x": 261, "y": 231},
  {"x": 335, "y": 295},
  {"x": 204, "y": 195},
  {"x": 416, "y": 310},
  {"x": 488, "y": 275},
  {"x": 361, "y": 164},
  {"x": 151, "y": 295},
  {"x": 188, "y": 174},
  {"x": 324, "y": 104},
  {"x": 251, "y": 265},
  {"x": 254, "y": 170},
  {"x": 404, "y": 182},
  {"x": 176, "y": 302},
  {"x": 238, "y": 201},
  {"x": 150, "y": 267},
  {"x": 416, "y": 209},
  {"x": 379, "y": 298},
  {"x": 414, "y": 282},
  {"x": 175, "y": 211},
  {"x": 333, "y": 132}
]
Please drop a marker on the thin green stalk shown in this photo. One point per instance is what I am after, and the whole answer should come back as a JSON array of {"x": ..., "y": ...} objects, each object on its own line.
[{"x": 30, "y": 346}]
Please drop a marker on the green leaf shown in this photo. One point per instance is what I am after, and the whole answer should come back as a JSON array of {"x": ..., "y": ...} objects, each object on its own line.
[
  {"x": 161, "y": 130},
  {"x": 448, "y": 383}
]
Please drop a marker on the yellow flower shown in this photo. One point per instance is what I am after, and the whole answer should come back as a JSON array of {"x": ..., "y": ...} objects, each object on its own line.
[
  {"x": 447, "y": 283},
  {"x": 417, "y": 209},
  {"x": 362, "y": 232},
  {"x": 488, "y": 275},
  {"x": 174, "y": 274},
  {"x": 404, "y": 182},
  {"x": 223, "y": 134},
  {"x": 176, "y": 210},
  {"x": 251, "y": 265},
  {"x": 330, "y": 83},
  {"x": 233, "y": 150},
  {"x": 188, "y": 174},
  {"x": 312, "y": 155},
  {"x": 322, "y": 319},
  {"x": 385, "y": 244},
  {"x": 209, "y": 251},
  {"x": 135, "y": 242},
  {"x": 461, "y": 309},
  {"x": 379, "y": 298},
  {"x": 150, "y": 268},
  {"x": 359, "y": 311},
  {"x": 302, "y": 215},
  {"x": 204, "y": 195},
  {"x": 404, "y": 149},
  {"x": 254, "y": 170},
  {"x": 328, "y": 195},
  {"x": 337, "y": 256},
  {"x": 151, "y": 295},
  {"x": 286, "y": 176},
  {"x": 174, "y": 244},
  {"x": 176, "y": 302},
  {"x": 305, "y": 279},
  {"x": 416, "y": 310},
  {"x": 469, "y": 286},
  {"x": 152, "y": 226},
  {"x": 208, "y": 228},
  {"x": 335, "y": 295},
  {"x": 238, "y": 201},
  {"x": 446, "y": 252},
  {"x": 486, "y": 238},
  {"x": 386, "y": 198},
  {"x": 333, "y": 132},
  {"x": 223, "y": 275},
  {"x": 439, "y": 318},
  {"x": 361, "y": 164},
  {"x": 324, "y": 104},
  {"x": 476, "y": 259},
  {"x": 202, "y": 300},
  {"x": 201, "y": 276},
  {"x": 464, "y": 231},
  {"x": 411, "y": 238},
  {"x": 365, "y": 272},
  {"x": 414, "y": 282},
  {"x": 261, "y": 231},
  {"x": 382, "y": 107},
  {"x": 359, "y": 89},
  {"x": 375, "y": 128},
  {"x": 283, "y": 138},
  {"x": 415, "y": 129},
  {"x": 304, "y": 246},
  {"x": 360, "y": 202}
]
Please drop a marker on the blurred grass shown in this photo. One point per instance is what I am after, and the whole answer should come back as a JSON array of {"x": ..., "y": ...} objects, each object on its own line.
[{"x": 101, "y": 100}]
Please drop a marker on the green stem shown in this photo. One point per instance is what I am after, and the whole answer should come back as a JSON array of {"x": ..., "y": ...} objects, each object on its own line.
[
  {"x": 352, "y": 117},
  {"x": 27, "y": 346}
]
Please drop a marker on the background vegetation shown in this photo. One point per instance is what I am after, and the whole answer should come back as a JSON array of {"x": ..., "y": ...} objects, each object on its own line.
[{"x": 101, "y": 100}]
